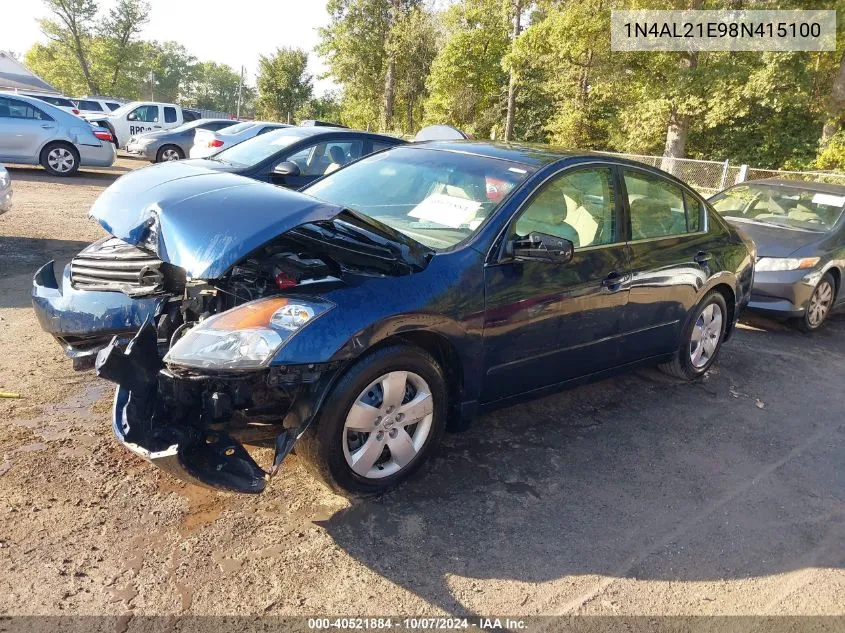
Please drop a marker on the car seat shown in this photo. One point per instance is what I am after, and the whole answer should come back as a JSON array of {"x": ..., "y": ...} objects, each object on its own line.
[{"x": 338, "y": 158}]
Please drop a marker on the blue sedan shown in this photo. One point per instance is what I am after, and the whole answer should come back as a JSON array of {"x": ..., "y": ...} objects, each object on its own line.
[{"x": 388, "y": 301}]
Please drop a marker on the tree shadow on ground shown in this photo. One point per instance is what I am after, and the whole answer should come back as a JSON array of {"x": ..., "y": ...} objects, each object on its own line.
[{"x": 639, "y": 476}]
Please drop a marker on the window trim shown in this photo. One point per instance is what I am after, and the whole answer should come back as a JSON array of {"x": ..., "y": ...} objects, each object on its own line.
[
  {"x": 619, "y": 211},
  {"x": 685, "y": 189}
]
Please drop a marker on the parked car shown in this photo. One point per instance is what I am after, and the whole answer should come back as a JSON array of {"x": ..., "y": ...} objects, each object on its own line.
[
  {"x": 138, "y": 117},
  {"x": 96, "y": 106},
  {"x": 57, "y": 101},
  {"x": 207, "y": 143},
  {"x": 5, "y": 190},
  {"x": 294, "y": 156},
  {"x": 165, "y": 145},
  {"x": 34, "y": 132},
  {"x": 357, "y": 318},
  {"x": 799, "y": 230},
  {"x": 192, "y": 115}
]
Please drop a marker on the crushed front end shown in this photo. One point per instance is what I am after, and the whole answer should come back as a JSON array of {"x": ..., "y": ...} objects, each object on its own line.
[{"x": 195, "y": 422}]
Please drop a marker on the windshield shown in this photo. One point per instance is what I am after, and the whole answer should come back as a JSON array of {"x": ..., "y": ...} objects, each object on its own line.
[
  {"x": 791, "y": 207},
  {"x": 258, "y": 148},
  {"x": 436, "y": 197}
]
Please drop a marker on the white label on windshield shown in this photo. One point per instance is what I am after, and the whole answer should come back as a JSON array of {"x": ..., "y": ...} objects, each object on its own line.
[
  {"x": 829, "y": 200},
  {"x": 446, "y": 210}
]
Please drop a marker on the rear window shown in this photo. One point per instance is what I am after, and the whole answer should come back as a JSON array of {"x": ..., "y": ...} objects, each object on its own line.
[
  {"x": 57, "y": 101},
  {"x": 169, "y": 114},
  {"x": 240, "y": 127},
  {"x": 89, "y": 105},
  {"x": 112, "y": 106}
]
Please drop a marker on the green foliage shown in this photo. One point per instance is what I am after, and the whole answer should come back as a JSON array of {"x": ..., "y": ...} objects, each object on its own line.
[
  {"x": 467, "y": 83},
  {"x": 284, "y": 86},
  {"x": 832, "y": 155},
  {"x": 215, "y": 87},
  {"x": 325, "y": 108}
]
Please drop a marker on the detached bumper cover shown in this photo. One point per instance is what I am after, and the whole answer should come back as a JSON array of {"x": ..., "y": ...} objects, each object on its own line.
[
  {"x": 84, "y": 321},
  {"x": 158, "y": 417}
]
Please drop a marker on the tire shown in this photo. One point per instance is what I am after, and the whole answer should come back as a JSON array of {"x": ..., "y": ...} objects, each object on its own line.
[
  {"x": 694, "y": 358},
  {"x": 169, "y": 152},
  {"x": 60, "y": 159},
  {"x": 329, "y": 446},
  {"x": 819, "y": 306}
]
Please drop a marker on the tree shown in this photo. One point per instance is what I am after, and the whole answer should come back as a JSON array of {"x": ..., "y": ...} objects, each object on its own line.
[
  {"x": 283, "y": 83},
  {"x": 516, "y": 29},
  {"x": 466, "y": 80},
  {"x": 415, "y": 41},
  {"x": 120, "y": 30},
  {"x": 72, "y": 28},
  {"x": 327, "y": 107}
]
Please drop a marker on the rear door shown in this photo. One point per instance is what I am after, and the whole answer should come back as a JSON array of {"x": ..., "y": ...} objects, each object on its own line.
[
  {"x": 670, "y": 251},
  {"x": 24, "y": 130},
  {"x": 547, "y": 322}
]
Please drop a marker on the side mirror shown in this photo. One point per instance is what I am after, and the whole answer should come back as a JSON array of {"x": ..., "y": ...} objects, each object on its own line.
[
  {"x": 131, "y": 117},
  {"x": 286, "y": 168},
  {"x": 543, "y": 247}
]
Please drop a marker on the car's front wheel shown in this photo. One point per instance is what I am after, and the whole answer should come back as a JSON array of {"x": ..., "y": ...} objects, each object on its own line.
[
  {"x": 380, "y": 422},
  {"x": 818, "y": 308},
  {"x": 60, "y": 159},
  {"x": 701, "y": 339}
]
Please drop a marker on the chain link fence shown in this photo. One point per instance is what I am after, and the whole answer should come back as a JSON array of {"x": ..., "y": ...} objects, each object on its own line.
[{"x": 710, "y": 176}]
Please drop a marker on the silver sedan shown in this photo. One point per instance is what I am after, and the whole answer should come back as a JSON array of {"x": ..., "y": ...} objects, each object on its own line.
[
  {"x": 34, "y": 132},
  {"x": 5, "y": 190}
]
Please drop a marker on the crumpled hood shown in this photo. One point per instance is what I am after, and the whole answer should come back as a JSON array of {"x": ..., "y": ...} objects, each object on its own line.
[
  {"x": 201, "y": 220},
  {"x": 775, "y": 241}
]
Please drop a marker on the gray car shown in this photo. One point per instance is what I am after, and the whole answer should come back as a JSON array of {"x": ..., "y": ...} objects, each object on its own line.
[
  {"x": 34, "y": 132},
  {"x": 799, "y": 230},
  {"x": 172, "y": 144},
  {"x": 5, "y": 190}
]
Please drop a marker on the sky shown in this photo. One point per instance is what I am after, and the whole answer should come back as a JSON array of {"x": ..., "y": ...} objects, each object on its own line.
[{"x": 233, "y": 32}]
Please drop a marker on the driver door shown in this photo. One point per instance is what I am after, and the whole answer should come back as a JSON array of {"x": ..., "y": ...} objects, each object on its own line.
[{"x": 548, "y": 322}]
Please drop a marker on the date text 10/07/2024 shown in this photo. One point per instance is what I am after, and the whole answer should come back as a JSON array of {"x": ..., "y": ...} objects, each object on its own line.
[{"x": 424, "y": 623}]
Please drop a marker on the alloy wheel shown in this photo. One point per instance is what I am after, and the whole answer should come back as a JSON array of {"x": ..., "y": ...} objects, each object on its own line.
[
  {"x": 820, "y": 304},
  {"x": 705, "y": 335},
  {"x": 61, "y": 159},
  {"x": 388, "y": 425},
  {"x": 170, "y": 154}
]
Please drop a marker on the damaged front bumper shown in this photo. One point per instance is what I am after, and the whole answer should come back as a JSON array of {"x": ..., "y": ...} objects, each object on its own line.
[
  {"x": 84, "y": 321},
  {"x": 195, "y": 425}
]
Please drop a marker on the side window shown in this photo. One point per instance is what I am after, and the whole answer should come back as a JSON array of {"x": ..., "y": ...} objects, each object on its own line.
[
  {"x": 112, "y": 106},
  {"x": 579, "y": 206},
  {"x": 217, "y": 125},
  {"x": 695, "y": 212},
  {"x": 15, "y": 109},
  {"x": 378, "y": 146},
  {"x": 169, "y": 114},
  {"x": 326, "y": 157},
  {"x": 145, "y": 113},
  {"x": 656, "y": 205}
]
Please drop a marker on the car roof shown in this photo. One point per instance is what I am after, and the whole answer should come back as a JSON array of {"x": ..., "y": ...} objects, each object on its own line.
[
  {"x": 523, "y": 153},
  {"x": 320, "y": 130},
  {"x": 821, "y": 187},
  {"x": 38, "y": 103}
]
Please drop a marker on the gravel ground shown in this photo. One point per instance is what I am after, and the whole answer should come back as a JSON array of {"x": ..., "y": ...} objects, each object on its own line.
[{"x": 636, "y": 495}]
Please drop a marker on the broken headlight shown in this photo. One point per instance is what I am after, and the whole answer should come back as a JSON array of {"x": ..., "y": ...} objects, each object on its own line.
[{"x": 246, "y": 337}]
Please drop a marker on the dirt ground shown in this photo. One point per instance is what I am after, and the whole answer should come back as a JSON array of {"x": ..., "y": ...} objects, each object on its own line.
[{"x": 636, "y": 495}]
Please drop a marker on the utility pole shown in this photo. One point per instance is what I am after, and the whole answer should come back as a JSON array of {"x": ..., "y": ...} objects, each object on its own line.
[
  {"x": 240, "y": 85},
  {"x": 152, "y": 86}
]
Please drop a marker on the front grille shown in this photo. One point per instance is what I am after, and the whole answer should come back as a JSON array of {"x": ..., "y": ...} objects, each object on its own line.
[{"x": 112, "y": 264}]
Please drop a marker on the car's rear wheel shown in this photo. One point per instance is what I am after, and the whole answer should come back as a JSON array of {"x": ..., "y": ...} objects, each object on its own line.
[
  {"x": 380, "y": 422},
  {"x": 168, "y": 153},
  {"x": 701, "y": 339},
  {"x": 60, "y": 159},
  {"x": 819, "y": 305}
]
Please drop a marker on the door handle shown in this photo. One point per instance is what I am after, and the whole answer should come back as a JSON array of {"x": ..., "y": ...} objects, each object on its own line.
[
  {"x": 701, "y": 258},
  {"x": 613, "y": 281},
  {"x": 47, "y": 126}
]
